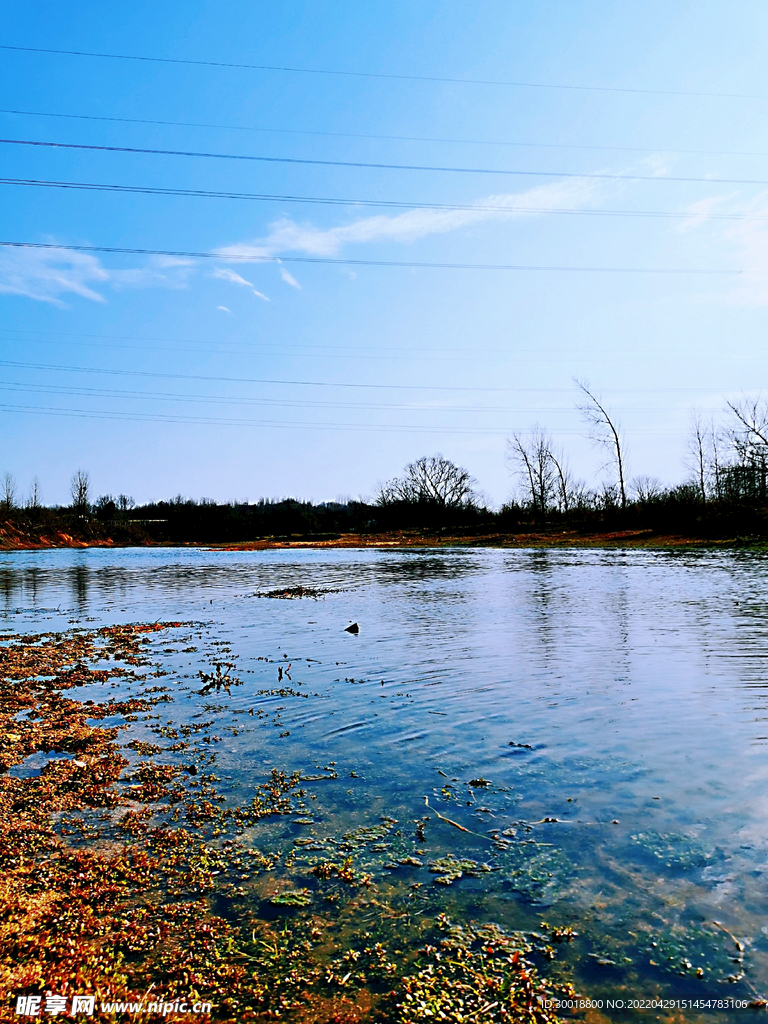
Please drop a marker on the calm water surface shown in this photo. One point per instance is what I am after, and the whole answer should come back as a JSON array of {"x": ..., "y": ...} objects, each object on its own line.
[{"x": 621, "y": 693}]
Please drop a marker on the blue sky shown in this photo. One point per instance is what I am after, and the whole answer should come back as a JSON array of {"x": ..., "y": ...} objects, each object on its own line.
[{"x": 240, "y": 378}]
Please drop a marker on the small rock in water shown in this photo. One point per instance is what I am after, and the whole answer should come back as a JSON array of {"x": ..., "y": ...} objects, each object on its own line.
[{"x": 354, "y": 628}]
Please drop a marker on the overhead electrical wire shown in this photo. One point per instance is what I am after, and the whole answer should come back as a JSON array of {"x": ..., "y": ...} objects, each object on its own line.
[
  {"x": 279, "y": 424},
  {"x": 380, "y": 75},
  {"x": 267, "y": 197},
  {"x": 382, "y": 138},
  {"x": 341, "y": 261},
  {"x": 58, "y": 367},
  {"x": 187, "y": 399},
  {"x": 283, "y": 424},
  {"x": 366, "y": 165},
  {"x": 346, "y": 352},
  {"x": 323, "y": 351},
  {"x": 137, "y": 416},
  {"x": 378, "y": 203},
  {"x": 303, "y": 403},
  {"x": 264, "y": 380}
]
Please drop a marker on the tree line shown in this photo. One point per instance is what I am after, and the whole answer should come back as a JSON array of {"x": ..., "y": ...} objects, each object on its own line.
[
  {"x": 727, "y": 462},
  {"x": 725, "y": 492}
]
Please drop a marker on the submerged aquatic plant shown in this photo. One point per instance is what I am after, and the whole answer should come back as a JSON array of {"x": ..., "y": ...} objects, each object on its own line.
[
  {"x": 123, "y": 870},
  {"x": 473, "y": 974},
  {"x": 449, "y": 868},
  {"x": 674, "y": 850},
  {"x": 292, "y": 898}
]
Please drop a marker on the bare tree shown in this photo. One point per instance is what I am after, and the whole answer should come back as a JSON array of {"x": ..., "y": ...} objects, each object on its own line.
[
  {"x": 8, "y": 494},
  {"x": 125, "y": 503},
  {"x": 34, "y": 500},
  {"x": 563, "y": 478},
  {"x": 749, "y": 434},
  {"x": 531, "y": 459},
  {"x": 746, "y": 435},
  {"x": 699, "y": 451},
  {"x": 432, "y": 480},
  {"x": 605, "y": 431},
  {"x": 79, "y": 489},
  {"x": 647, "y": 488},
  {"x": 716, "y": 463},
  {"x": 580, "y": 497}
]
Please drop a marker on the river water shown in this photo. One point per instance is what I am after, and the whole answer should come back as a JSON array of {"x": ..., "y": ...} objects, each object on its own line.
[{"x": 621, "y": 694}]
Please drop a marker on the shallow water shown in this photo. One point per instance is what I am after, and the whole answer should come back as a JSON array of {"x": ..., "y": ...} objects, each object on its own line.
[{"x": 622, "y": 693}]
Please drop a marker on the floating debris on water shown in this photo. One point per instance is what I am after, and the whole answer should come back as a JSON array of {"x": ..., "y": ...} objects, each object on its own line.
[{"x": 291, "y": 593}]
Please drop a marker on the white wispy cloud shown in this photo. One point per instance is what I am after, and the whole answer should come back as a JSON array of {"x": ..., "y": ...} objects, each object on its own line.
[
  {"x": 700, "y": 212},
  {"x": 53, "y": 275},
  {"x": 287, "y": 235},
  {"x": 48, "y": 275},
  {"x": 159, "y": 272},
  {"x": 225, "y": 274},
  {"x": 288, "y": 277}
]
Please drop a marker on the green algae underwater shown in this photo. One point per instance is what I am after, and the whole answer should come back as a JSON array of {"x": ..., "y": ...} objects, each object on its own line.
[
  {"x": 126, "y": 873},
  {"x": 201, "y": 811}
]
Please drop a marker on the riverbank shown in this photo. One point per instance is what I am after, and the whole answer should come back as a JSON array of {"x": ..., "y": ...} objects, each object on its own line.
[
  {"x": 12, "y": 539},
  {"x": 561, "y": 539},
  {"x": 80, "y": 532},
  {"x": 25, "y": 535}
]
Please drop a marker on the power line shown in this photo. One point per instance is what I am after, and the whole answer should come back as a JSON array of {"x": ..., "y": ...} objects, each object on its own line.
[
  {"x": 262, "y": 380},
  {"x": 282, "y": 403},
  {"x": 382, "y": 75},
  {"x": 329, "y": 384},
  {"x": 383, "y": 138},
  {"x": 378, "y": 203},
  {"x": 326, "y": 351},
  {"x": 346, "y": 352},
  {"x": 303, "y": 403},
  {"x": 227, "y": 421},
  {"x": 360, "y": 164},
  {"x": 280, "y": 424},
  {"x": 260, "y": 258},
  {"x": 266, "y": 197}
]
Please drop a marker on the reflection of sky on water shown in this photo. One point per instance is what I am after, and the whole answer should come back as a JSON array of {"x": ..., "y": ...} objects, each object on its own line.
[
  {"x": 636, "y": 678},
  {"x": 646, "y": 658}
]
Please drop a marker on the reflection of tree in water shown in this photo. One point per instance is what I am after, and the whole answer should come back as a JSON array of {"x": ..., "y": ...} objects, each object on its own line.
[
  {"x": 79, "y": 581},
  {"x": 20, "y": 586},
  {"x": 417, "y": 566},
  {"x": 546, "y": 626},
  {"x": 550, "y": 606},
  {"x": 34, "y": 579},
  {"x": 44, "y": 584},
  {"x": 9, "y": 584}
]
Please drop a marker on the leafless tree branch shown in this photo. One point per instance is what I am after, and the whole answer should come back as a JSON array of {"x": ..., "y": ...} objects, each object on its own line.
[{"x": 604, "y": 432}]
